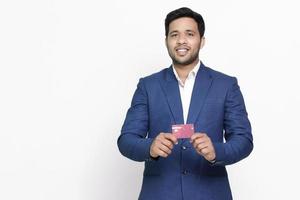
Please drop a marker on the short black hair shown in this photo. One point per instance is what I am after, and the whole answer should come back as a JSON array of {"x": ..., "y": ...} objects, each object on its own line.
[{"x": 185, "y": 12}]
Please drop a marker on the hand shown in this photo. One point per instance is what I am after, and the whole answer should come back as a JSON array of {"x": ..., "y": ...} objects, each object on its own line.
[
  {"x": 203, "y": 146},
  {"x": 162, "y": 145}
]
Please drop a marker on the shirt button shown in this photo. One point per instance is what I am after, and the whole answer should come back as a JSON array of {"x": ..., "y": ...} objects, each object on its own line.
[{"x": 183, "y": 147}]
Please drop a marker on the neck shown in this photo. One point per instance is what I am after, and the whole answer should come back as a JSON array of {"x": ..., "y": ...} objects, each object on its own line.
[{"x": 184, "y": 70}]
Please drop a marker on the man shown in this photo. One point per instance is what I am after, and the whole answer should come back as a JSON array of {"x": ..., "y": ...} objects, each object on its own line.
[{"x": 188, "y": 92}]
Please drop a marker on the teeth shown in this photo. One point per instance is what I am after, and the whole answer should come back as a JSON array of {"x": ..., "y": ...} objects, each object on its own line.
[{"x": 181, "y": 50}]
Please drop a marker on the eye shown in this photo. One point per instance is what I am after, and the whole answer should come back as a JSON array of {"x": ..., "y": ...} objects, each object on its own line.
[
  {"x": 174, "y": 35},
  {"x": 190, "y": 34}
]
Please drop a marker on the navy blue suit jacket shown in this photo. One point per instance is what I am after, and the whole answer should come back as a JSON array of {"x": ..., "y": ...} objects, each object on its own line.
[{"x": 217, "y": 108}]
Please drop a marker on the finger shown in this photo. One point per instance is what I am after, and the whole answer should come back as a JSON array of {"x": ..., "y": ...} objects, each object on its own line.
[
  {"x": 160, "y": 143},
  {"x": 198, "y": 141},
  {"x": 163, "y": 140},
  {"x": 208, "y": 153},
  {"x": 205, "y": 151},
  {"x": 171, "y": 137},
  {"x": 202, "y": 146},
  {"x": 194, "y": 136},
  {"x": 161, "y": 153},
  {"x": 197, "y": 135},
  {"x": 167, "y": 143},
  {"x": 165, "y": 149}
]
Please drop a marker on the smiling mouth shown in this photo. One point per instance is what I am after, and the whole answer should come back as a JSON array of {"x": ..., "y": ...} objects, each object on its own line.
[{"x": 182, "y": 51}]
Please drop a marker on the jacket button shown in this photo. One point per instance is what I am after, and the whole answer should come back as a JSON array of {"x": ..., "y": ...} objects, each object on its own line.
[
  {"x": 183, "y": 147},
  {"x": 184, "y": 172}
]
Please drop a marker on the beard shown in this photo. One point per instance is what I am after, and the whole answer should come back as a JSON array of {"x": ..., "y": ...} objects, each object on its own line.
[
  {"x": 192, "y": 58},
  {"x": 189, "y": 59}
]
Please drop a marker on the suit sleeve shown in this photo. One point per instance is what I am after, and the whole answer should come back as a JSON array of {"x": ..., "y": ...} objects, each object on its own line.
[
  {"x": 133, "y": 142},
  {"x": 237, "y": 129}
]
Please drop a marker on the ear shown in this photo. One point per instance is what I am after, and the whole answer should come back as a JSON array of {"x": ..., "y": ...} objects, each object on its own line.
[{"x": 202, "y": 42}]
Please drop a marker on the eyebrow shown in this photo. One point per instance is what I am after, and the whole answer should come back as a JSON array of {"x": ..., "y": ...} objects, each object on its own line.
[
  {"x": 173, "y": 32},
  {"x": 188, "y": 30}
]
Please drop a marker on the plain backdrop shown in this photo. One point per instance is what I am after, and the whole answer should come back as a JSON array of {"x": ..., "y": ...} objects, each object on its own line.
[{"x": 68, "y": 70}]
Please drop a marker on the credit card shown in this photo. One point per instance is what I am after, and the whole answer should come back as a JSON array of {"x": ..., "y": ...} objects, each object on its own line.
[{"x": 183, "y": 130}]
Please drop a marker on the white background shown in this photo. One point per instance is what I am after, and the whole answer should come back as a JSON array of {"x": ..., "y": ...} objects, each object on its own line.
[{"x": 68, "y": 70}]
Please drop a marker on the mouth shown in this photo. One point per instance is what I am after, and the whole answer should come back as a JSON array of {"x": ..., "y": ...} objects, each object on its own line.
[{"x": 182, "y": 51}]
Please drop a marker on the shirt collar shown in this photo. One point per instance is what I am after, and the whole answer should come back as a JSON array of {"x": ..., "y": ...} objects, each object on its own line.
[{"x": 192, "y": 73}]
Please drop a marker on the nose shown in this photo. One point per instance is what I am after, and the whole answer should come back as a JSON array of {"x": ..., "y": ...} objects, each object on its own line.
[{"x": 181, "y": 39}]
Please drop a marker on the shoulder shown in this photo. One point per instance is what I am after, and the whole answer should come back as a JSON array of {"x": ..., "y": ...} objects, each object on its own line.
[
  {"x": 155, "y": 77},
  {"x": 220, "y": 76}
]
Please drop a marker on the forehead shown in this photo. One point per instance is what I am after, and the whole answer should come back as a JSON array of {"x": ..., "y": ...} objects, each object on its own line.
[{"x": 183, "y": 24}]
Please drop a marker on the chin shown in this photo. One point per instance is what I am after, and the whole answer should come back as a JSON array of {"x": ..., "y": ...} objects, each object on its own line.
[
  {"x": 181, "y": 60},
  {"x": 184, "y": 62}
]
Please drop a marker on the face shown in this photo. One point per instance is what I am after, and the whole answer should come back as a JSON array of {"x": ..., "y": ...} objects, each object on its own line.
[{"x": 183, "y": 41}]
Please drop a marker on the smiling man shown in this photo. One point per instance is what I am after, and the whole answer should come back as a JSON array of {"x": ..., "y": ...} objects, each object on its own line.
[{"x": 186, "y": 122}]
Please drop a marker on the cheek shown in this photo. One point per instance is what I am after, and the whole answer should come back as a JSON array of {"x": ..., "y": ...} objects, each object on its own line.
[
  {"x": 195, "y": 43},
  {"x": 171, "y": 41},
  {"x": 170, "y": 45},
  {"x": 170, "y": 48},
  {"x": 196, "y": 47}
]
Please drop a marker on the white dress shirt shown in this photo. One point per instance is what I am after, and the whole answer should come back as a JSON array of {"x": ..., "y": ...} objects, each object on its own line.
[{"x": 186, "y": 89}]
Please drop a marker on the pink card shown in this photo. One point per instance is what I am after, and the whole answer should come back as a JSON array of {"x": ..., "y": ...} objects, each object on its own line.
[{"x": 183, "y": 130}]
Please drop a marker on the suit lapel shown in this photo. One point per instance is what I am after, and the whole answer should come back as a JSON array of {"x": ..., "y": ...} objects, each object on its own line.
[
  {"x": 201, "y": 87},
  {"x": 172, "y": 93},
  {"x": 171, "y": 90}
]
